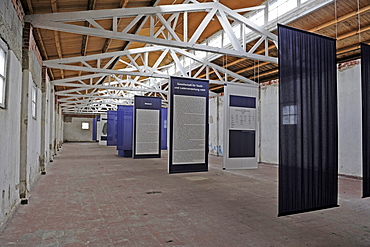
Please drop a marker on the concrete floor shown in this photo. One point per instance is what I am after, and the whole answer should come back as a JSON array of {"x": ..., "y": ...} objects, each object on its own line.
[{"x": 92, "y": 197}]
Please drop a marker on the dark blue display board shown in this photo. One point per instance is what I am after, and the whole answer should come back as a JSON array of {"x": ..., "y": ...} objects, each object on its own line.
[
  {"x": 147, "y": 127},
  {"x": 112, "y": 128},
  {"x": 164, "y": 125},
  {"x": 188, "y": 134},
  {"x": 125, "y": 119},
  {"x": 94, "y": 129}
]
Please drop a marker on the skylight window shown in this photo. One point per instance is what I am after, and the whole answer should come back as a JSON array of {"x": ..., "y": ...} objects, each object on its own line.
[
  {"x": 258, "y": 17},
  {"x": 279, "y": 7}
]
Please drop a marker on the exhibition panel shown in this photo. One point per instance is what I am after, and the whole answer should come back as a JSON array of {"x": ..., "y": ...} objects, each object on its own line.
[
  {"x": 240, "y": 126},
  {"x": 188, "y": 148},
  {"x": 147, "y": 127}
]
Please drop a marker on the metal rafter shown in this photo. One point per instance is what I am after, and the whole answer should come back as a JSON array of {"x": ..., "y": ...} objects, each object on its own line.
[
  {"x": 91, "y": 64},
  {"x": 169, "y": 36}
]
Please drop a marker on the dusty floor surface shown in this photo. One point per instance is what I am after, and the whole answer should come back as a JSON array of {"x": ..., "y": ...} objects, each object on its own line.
[{"x": 92, "y": 197}]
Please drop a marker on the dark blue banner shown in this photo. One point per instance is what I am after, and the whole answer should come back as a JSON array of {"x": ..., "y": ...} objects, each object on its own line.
[
  {"x": 188, "y": 140},
  {"x": 112, "y": 128},
  {"x": 192, "y": 87},
  {"x": 147, "y": 127},
  {"x": 242, "y": 101},
  {"x": 164, "y": 129},
  {"x": 94, "y": 129},
  {"x": 308, "y": 125},
  {"x": 365, "y": 84},
  {"x": 125, "y": 118}
]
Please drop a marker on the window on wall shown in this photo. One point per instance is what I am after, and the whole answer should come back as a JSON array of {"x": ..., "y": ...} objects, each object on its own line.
[
  {"x": 3, "y": 62},
  {"x": 85, "y": 126},
  {"x": 34, "y": 101},
  {"x": 290, "y": 114}
]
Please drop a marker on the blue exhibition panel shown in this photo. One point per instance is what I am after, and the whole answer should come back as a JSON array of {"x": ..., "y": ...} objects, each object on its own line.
[
  {"x": 188, "y": 125},
  {"x": 164, "y": 129},
  {"x": 125, "y": 130},
  {"x": 112, "y": 128},
  {"x": 147, "y": 127}
]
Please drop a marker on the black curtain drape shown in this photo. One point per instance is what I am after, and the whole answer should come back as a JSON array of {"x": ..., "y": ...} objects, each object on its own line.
[
  {"x": 365, "y": 81},
  {"x": 308, "y": 132}
]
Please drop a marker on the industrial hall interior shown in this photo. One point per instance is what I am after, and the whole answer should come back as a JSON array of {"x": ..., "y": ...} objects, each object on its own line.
[{"x": 185, "y": 123}]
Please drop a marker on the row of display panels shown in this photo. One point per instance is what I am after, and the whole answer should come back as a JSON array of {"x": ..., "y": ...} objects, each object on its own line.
[{"x": 140, "y": 131}]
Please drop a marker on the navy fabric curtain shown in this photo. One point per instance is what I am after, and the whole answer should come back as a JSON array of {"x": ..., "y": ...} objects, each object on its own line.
[
  {"x": 94, "y": 129},
  {"x": 308, "y": 129},
  {"x": 164, "y": 129},
  {"x": 112, "y": 128},
  {"x": 125, "y": 117},
  {"x": 365, "y": 81}
]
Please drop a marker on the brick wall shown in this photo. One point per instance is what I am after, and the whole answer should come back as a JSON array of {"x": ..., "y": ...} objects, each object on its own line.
[
  {"x": 29, "y": 42},
  {"x": 18, "y": 7}
]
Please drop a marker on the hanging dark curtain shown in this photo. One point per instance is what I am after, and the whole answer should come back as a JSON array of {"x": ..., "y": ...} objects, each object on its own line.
[
  {"x": 94, "y": 127},
  {"x": 112, "y": 128},
  {"x": 164, "y": 128},
  {"x": 308, "y": 138},
  {"x": 125, "y": 127},
  {"x": 365, "y": 81}
]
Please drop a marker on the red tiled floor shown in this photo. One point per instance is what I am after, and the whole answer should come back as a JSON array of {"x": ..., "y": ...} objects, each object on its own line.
[{"x": 92, "y": 197}]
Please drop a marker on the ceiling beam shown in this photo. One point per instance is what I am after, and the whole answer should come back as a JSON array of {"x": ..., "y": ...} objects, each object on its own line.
[
  {"x": 109, "y": 41},
  {"x": 55, "y": 22},
  {"x": 340, "y": 19},
  {"x": 108, "y": 87},
  {"x": 54, "y": 9},
  {"x": 85, "y": 38}
]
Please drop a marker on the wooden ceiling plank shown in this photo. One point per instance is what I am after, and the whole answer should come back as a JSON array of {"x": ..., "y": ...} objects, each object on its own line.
[
  {"x": 85, "y": 38},
  {"x": 29, "y": 4},
  {"x": 264, "y": 74},
  {"x": 109, "y": 41},
  {"x": 340, "y": 19},
  {"x": 54, "y": 9},
  {"x": 354, "y": 32},
  {"x": 40, "y": 40}
]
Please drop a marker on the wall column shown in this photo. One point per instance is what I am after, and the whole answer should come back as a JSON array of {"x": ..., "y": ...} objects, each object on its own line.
[
  {"x": 24, "y": 184},
  {"x": 45, "y": 122}
]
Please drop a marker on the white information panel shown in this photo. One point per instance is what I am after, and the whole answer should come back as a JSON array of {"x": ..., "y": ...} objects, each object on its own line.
[
  {"x": 190, "y": 128},
  {"x": 242, "y": 118},
  {"x": 147, "y": 131},
  {"x": 102, "y": 130},
  {"x": 240, "y": 126}
]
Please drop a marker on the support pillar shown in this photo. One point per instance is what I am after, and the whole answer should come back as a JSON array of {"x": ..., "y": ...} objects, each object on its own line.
[
  {"x": 43, "y": 161},
  {"x": 24, "y": 190}
]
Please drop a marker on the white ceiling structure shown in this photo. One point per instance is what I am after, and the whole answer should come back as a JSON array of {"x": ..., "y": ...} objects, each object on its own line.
[{"x": 105, "y": 88}]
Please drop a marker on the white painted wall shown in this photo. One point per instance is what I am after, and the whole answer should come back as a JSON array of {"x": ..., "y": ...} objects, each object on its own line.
[
  {"x": 33, "y": 136},
  {"x": 100, "y": 126},
  {"x": 269, "y": 124},
  {"x": 9, "y": 140},
  {"x": 74, "y": 132},
  {"x": 48, "y": 120},
  {"x": 58, "y": 128},
  {"x": 349, "y": 121},
  {"x": 213, "y": 125},
  {"x": 10, "y": 116},
  {"x": 216, "y": 125}
]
